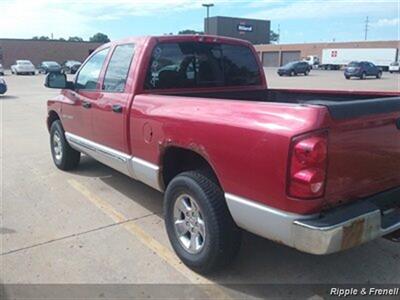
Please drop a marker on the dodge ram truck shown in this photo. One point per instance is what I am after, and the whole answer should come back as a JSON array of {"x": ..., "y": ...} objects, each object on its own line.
[{"x": 192, "y": 116}]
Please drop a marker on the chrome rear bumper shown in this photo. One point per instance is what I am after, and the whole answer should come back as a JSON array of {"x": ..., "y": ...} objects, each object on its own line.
[{"x": 336, "y": 230}]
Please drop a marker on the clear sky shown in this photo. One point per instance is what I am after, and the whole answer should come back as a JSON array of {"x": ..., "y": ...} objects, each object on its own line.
[{"x": 300, "y": 21}]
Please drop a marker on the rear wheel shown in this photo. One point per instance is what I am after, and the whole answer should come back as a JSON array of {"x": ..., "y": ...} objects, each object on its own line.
[
  {"x": 64, "y": 157},
  {"x": 306, "y": 72},
  {"x": 199, "y": 225},
  {"x": 379, "y": 75},
  {"x": 347, "y": 77},
  {"x": 363, "y": 75},
  {"x": 292, "y": 73}
]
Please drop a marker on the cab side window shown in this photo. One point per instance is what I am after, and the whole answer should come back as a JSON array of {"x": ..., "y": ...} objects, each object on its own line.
[
  {"x": 118, "y": 68},
  {"x": 88, "y": 76}
]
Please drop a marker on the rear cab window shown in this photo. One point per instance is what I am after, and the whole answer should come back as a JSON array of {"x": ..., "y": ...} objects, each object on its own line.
[
  {"x": 199, "y": 64},
  {"x": 118, "y": 68}
]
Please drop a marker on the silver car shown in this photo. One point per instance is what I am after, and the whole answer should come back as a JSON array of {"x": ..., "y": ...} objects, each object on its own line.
[{"x": 23, "y": 67}]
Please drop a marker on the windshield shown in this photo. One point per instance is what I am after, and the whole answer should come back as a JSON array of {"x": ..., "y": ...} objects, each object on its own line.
[
  {"x": 354, "y": 64},
  {"x": 290, "y": 64},
  {"x": 199, "y": 64},
  {"x": 23, "y": 62},
  {"x": 50, "y": 63}
]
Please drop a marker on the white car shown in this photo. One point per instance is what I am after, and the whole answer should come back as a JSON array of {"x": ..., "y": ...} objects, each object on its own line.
[
  {"x": 1, "y": 70},
  {"x": 23, "y": 67},
  {"x": 394, "y": 67}
]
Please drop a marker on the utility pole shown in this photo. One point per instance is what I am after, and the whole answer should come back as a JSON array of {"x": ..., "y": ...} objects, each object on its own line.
[
  {"x": 366, "y": 27},
  {"x": 207, "y": 6},
  {"x": 279, "y": 33}
]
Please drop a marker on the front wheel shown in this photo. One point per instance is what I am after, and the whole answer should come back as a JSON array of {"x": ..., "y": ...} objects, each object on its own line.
[
  {"x": 307, "y": 72},
  {"x": 199, "y": 225},
  {"x": 363, "y": 76},
  {"x": 64, "y": 157},
  {"x": 379, "y": 75}
]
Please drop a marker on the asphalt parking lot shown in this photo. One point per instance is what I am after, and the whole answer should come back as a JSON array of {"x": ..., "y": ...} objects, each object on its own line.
[
  {"x": 334, "y": 80},
  {"x": 95, "y": 225}
]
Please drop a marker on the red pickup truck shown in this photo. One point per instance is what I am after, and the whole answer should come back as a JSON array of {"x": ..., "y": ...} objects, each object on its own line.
[{"x": 191, "y": 116}]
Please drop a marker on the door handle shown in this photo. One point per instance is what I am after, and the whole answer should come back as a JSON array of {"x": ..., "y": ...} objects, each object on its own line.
[
  {"x": 117, "y": 108},
  {"x": 86, "y": 104}
]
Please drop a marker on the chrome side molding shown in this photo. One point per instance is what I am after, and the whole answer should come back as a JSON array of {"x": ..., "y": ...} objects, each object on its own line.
[
  {"x": 146, "y": 172},
  {"x": 134, "y": 167}
]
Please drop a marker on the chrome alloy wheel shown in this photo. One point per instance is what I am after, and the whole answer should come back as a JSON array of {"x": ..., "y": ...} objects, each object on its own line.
[
  {"x": 189, "y": 224},
  {"x": 57, "y": 146}
]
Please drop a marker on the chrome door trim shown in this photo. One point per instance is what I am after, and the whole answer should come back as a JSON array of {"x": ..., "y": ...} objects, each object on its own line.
[{"x": 134, "y": 167}]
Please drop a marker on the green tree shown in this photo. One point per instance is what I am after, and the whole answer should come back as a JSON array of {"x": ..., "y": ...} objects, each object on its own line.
[
  {"x": 190, "y": 31},
  {"x": 273, "y": 37},
  {"x": 41, "y": 38},
  {"x": 75, "y": 39},
  {"x": 99, "y": 38}
]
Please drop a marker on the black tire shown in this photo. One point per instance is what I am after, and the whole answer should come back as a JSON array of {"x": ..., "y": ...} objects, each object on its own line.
[
  {"x": 379, "y": 76},
  {"x": 347, "y": 77},
  {"x": 292, "y": 73},
  {"x": 306, "y": 72},
  {"x": 363, "y": 75},
  {"x": 222, "y": 237},
  {"x": 69, "y": 158}
]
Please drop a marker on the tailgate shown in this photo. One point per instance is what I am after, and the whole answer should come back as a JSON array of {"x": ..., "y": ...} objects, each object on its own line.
[{"x": 364, "y": 148}]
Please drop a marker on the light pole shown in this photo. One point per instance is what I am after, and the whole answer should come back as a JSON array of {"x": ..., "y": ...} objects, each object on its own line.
[{"x": 207, "y": 6}]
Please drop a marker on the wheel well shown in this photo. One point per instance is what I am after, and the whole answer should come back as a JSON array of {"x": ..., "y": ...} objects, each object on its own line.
[
  {"x": 177, "y": 160},
  {"x": 52, "y": 116}
]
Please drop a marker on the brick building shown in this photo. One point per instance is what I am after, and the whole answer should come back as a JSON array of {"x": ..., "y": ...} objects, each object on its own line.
[
  {"x": 274, "y": 55},
  {"x": 37, "y": 51}
]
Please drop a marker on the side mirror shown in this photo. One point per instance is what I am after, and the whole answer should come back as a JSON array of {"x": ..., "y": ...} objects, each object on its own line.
[{"x": 57, "y": 81}]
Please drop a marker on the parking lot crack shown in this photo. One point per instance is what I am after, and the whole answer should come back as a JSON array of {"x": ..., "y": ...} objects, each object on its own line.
[{"x": 76, "y": 234}]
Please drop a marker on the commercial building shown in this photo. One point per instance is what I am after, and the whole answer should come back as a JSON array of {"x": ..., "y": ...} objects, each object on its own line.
[
  {"x": 37, "y": 51},
  {"x": 255, "y": 31},
  {"x": 275, "y": 55}
]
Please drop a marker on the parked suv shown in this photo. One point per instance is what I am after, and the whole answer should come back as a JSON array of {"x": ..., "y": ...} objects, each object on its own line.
[
  {"x": 71, "y": 66},
  {"x": 361, "y": 70},
  {"x": 294, "y": 68}
]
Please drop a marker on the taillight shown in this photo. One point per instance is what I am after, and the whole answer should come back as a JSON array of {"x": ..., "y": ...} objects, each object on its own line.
[{"x": 308, "y": 163}]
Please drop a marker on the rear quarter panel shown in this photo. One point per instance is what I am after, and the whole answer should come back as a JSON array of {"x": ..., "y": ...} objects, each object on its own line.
[{"x": 245, "y": 142}]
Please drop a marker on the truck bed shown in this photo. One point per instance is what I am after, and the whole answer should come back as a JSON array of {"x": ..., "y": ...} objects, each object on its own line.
[
  {"x": 341, "y": 104},
  {"x": 364, "y": 139}
]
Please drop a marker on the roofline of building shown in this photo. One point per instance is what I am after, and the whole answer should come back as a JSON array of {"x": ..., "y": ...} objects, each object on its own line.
[
  {"x": 54, "y": 40},
  {"x": 238, "y": 18},
  {"x": 335, "y": 42}
]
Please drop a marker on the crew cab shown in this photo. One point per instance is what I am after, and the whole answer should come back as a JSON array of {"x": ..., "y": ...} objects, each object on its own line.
[{"x": 193, "y": 117}]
